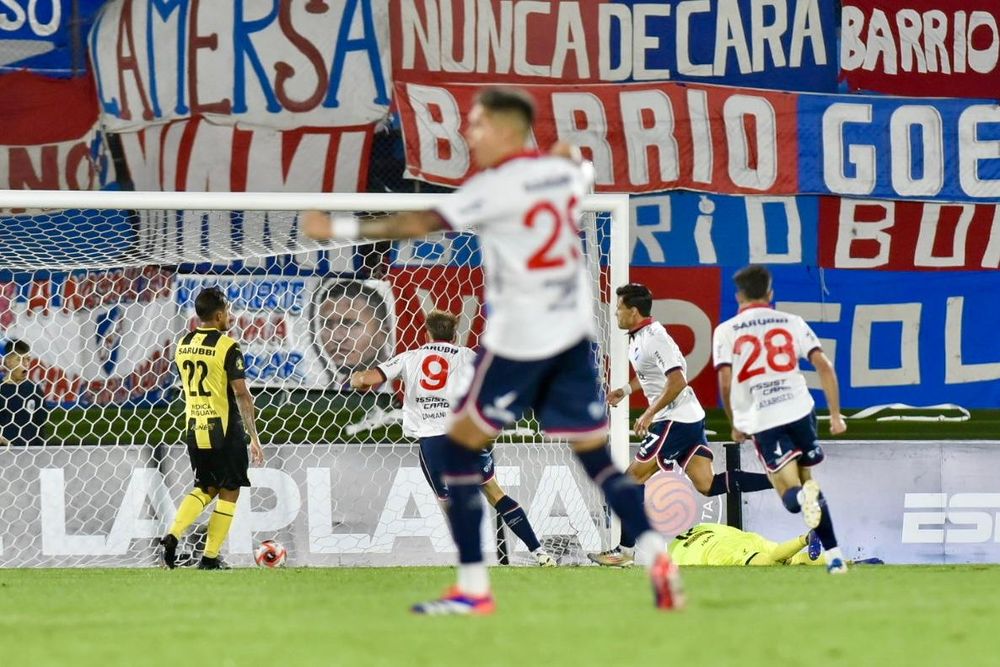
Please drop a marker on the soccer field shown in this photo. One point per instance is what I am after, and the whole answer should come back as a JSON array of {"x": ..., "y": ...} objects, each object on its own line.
[{"x": 911, "y": 616}]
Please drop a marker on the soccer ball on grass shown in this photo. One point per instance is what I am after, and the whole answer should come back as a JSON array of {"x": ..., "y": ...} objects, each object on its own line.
[{"x": 270, "y": 554}]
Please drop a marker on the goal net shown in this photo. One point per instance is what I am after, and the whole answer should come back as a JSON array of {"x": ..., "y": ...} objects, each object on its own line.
[{"x": 99, "y": 286}]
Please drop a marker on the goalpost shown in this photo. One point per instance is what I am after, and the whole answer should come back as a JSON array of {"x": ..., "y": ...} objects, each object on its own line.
[{"x": 100, "y": 285}]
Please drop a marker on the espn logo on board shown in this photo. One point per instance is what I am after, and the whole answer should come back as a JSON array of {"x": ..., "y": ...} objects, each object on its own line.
[{"x": 960, "y": 518}]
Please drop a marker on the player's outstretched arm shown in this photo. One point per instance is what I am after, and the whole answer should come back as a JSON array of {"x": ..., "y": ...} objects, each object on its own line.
[
  {"x": 244, "y": 401},
  {"x": 322, "y": 226},
  {"x": 367, "y": 378},
  {"x": 831, "y": 388}
]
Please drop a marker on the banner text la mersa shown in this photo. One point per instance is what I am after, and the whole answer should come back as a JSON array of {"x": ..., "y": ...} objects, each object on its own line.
[
  {"x": 280, "y": 63},
  {"x": 497, "y": 38},
  {"x": 557, "y": 507}
]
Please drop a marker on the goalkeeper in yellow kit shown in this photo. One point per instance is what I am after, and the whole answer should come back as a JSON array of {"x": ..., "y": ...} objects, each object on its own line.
[{"x": 716, "y": 544}]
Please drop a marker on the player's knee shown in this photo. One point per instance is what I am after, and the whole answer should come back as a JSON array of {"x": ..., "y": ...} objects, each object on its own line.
[{"x": 790, "y": 499}]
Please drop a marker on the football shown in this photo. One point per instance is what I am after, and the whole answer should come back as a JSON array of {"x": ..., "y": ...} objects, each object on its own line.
[{"x": 270, "y": 554}]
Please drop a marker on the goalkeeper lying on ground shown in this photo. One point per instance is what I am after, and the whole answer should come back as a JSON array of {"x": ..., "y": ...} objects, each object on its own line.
[{"x": 716, "y": 544}]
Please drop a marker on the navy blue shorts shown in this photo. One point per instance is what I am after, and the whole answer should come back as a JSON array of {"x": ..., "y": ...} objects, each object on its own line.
[
  {"x": 781, "y": 444},
  {"x": 674, "y": 441},
  {"x": 432, "y": 464},
  {"x": 563, "y": 390}
]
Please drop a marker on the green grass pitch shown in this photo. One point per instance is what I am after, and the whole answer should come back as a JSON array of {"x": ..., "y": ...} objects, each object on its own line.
[{"x": 746, "y": 617}]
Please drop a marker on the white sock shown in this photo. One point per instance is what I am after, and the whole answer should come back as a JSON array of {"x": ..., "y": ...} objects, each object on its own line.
[
  {"x": 473, "y": 579},
  {"x": 833, "y": 553},
  {"x": 626, "y": 550},
  {"x": 649, "y": 545},
  {"x": 539, "y": 551}
]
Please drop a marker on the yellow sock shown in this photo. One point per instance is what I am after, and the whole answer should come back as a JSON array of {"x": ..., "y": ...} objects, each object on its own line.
[
  {"x": 802, "y": 558},
  {"x": 191, "y": 507},
  {"x": 218, "y": 527},
  {"x": 788, "y": 549}
]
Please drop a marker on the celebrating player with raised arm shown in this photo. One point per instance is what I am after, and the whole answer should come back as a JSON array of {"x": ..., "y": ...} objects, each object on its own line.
[
  {"x": 673, "y": 426},
  {"x": 211, "y": 369},
  {"x": 765, "y": 395},
  {"x": 429, "y": 376},
  {"x": 536, "y": 350}
]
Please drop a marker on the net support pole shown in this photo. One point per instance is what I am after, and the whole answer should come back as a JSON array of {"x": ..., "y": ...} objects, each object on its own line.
[
  {"x": 734, "y": 500},
  {"x": 618, "y": 274}
]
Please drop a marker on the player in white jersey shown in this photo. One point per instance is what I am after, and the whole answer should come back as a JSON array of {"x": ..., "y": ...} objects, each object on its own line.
[
  {"x": 764, "y": 393},
  {"x": 673, "y": 426},
  {"x": 429, "y": 374},
  {"x": 537, "y": 348}
]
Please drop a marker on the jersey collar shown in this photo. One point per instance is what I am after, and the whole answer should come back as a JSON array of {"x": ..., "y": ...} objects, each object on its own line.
[
  {"x": 750, "y": 306},
  {"x": 639, "y": 327},
  {"x": 527, "y": 153}
]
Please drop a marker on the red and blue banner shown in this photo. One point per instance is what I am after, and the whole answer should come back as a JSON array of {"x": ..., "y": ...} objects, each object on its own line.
[
  {"x": 665, "y": 136},
  {"x": 779, "y": 44},
  {"x": 46, "y": 36},
  {"x": 921, "y": 47}
]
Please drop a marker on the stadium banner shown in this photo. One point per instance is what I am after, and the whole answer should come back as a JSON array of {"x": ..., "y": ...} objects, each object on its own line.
[
  {"x": 702, "y": 229},
  {"x": 893, "y": 336},
  {"x": 687, "y": 229},
  {"x": 49, "y": 138},
  {"x": 196, "y": 155},
  {"x": 98, "y": 337},
  {"x": 781, "y": 44},
  {"x": 301, "y": 332},
  {"x": 665, "y": 136},
  {"x": 46, "y": 36},
  {"x": 903, "y": 502},
  {"x": 641, "y": 137},
  {"x": 329, "y": 504},
  {"x": 920, "y": 47},
  {"x": 280, "y": 65},
  {"x": 897, "y": 337},
  {"x": 908, "y": 236}
]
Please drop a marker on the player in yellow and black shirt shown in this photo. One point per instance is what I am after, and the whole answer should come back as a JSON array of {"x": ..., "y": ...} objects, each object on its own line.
[{"x": 211, "y": 370}]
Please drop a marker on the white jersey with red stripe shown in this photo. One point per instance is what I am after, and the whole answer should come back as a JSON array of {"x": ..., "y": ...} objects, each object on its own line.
[
  {"x": 429, "y": 374},
  {"x": 653, "y": 355},
  {"x": 763, "y": 346},
  {"x": 538, "y": 291}
]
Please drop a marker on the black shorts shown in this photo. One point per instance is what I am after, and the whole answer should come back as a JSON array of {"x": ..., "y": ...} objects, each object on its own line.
[{"x": 222, "y": 468}]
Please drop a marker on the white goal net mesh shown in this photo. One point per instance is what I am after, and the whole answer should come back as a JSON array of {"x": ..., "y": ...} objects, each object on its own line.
[{"x": 99, "y": 286}]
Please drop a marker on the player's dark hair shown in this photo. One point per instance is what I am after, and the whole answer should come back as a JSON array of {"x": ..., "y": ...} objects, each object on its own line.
[
  {"x": 16, "y": 346},
  {"x": 638, "y": 296},
  {"x": 209, "y": 301},
  {"x": 753, "y": 281},
  {"x": 504, "y": 99},
  {"x": 441, "y": 326},
  {"x": 355, "y": 290}
]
